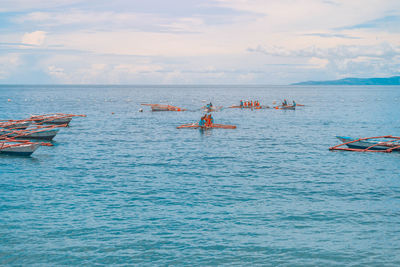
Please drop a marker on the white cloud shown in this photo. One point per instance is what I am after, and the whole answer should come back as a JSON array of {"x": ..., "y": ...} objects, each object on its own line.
[
  {"x": 34, "y": 38},
  {"x": 317, "y": 63}
]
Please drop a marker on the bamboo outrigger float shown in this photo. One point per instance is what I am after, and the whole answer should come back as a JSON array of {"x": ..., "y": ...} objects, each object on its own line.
[
  {"x": 369, "y": 144},
  {"x": 159, "y": 107}
]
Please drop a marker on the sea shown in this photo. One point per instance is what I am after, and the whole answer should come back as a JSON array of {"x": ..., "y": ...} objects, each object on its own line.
[{"x": 122, "y": 187}]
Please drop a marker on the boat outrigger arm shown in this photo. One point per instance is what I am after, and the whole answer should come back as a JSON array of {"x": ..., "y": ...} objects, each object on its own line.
[{"x": 366, "y": 145}]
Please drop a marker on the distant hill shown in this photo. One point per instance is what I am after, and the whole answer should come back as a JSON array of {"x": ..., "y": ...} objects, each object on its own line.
[{"x": 395, "y": 80}]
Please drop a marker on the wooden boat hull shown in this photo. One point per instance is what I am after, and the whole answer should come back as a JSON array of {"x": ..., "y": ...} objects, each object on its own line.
[
  {"x": 30, "y": 134},
  {"x": 56, "y": 121},
  {"x": 159, "y": 107},
  {"x": 288, "y": 107},
  {"x": 20, "y": 150},
  {"x": 21, "y": 125},
  {"x": 45, "y": 135},
  {"x": 363, "y": 144},
  {"x": 54, "y": 118}
]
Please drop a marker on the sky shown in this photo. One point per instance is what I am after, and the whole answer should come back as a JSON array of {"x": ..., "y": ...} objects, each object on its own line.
[{"x": 197, "y": 41}]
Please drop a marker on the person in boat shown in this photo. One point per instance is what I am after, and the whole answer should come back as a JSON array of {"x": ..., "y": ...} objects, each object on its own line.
[
  {"x": 210, "y": 119},
  {"x": 202, "y": 121},
  {"x": 284, "y": 103},
  {"x": 294, "y": 103},
  {"x": 241, "y": 103}
]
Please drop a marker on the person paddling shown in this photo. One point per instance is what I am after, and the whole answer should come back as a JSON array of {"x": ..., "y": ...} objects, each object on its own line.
[
  {"x": 202, "y": 121},
  {"x": 294, "y": 103},
  {"x": 209, "y": 120},
  {"x": 241, "y": 103}
]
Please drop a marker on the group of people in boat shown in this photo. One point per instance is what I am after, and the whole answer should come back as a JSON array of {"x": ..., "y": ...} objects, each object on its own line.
[
  {"x": 206, "y": 120},
  {"x": 285, "y": 103},
  {"x": 246, "y": 104}
]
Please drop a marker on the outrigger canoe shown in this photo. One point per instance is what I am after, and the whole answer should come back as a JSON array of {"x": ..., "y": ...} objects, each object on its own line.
[
  {"x": 386, "y": 144},
  {"x": 18, "y": 147},
  {"x": 54, "y": 118},
  {"x": 214, "y": 125},
  {"x": 288, "y": 107},
  {"x": 212, "y": 109},
  {"x": 159, "y": 107},
  {"x": 33, "y": 132}
]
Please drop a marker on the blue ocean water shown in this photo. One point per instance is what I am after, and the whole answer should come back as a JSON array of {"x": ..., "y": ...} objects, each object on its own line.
[{"x": 122, "y": 187}]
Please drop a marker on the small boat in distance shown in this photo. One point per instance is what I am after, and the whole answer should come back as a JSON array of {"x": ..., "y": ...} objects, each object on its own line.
[
  {"x": 18, "y": 147},
  {"x": 385, "y": 144},
  {"x": 204, "y": 127},
  {"x": 288, "y": 107},
  {"x": 211, "y": 108},
  {"x": 159, "y": 107},
  {"x": 250, "y": 105}
]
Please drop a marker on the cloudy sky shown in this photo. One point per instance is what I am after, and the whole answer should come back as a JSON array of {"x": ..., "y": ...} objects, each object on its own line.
[{"x": 197, "y": 41}]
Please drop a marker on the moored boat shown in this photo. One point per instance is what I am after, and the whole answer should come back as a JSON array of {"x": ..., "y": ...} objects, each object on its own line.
[
  {"x": 159, "y": 107},
  {"x": 204, "y": 127},
  {"x": 16, "y": 124},
  {"x": 33, "y": 132},
  {"x": 288, "y": 107},
  {"x": 386, "y": 143},
  {"x": 18, "y": 147},
  {"x": 54, "y": 118},
  {"x": 212, "y": 109}
]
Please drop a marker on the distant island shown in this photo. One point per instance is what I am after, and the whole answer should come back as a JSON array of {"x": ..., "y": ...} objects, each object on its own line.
[{"x": 395, "y": 80}]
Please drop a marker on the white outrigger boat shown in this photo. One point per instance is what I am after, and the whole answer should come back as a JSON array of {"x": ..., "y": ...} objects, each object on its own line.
[
  {"x": 160, "y": 107},
  {"x": 387, "y": 144},
  {"x": 54, "y": 118},
  {"x": 33, "y": 132},
  {"x": 18, "y": 147}
]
